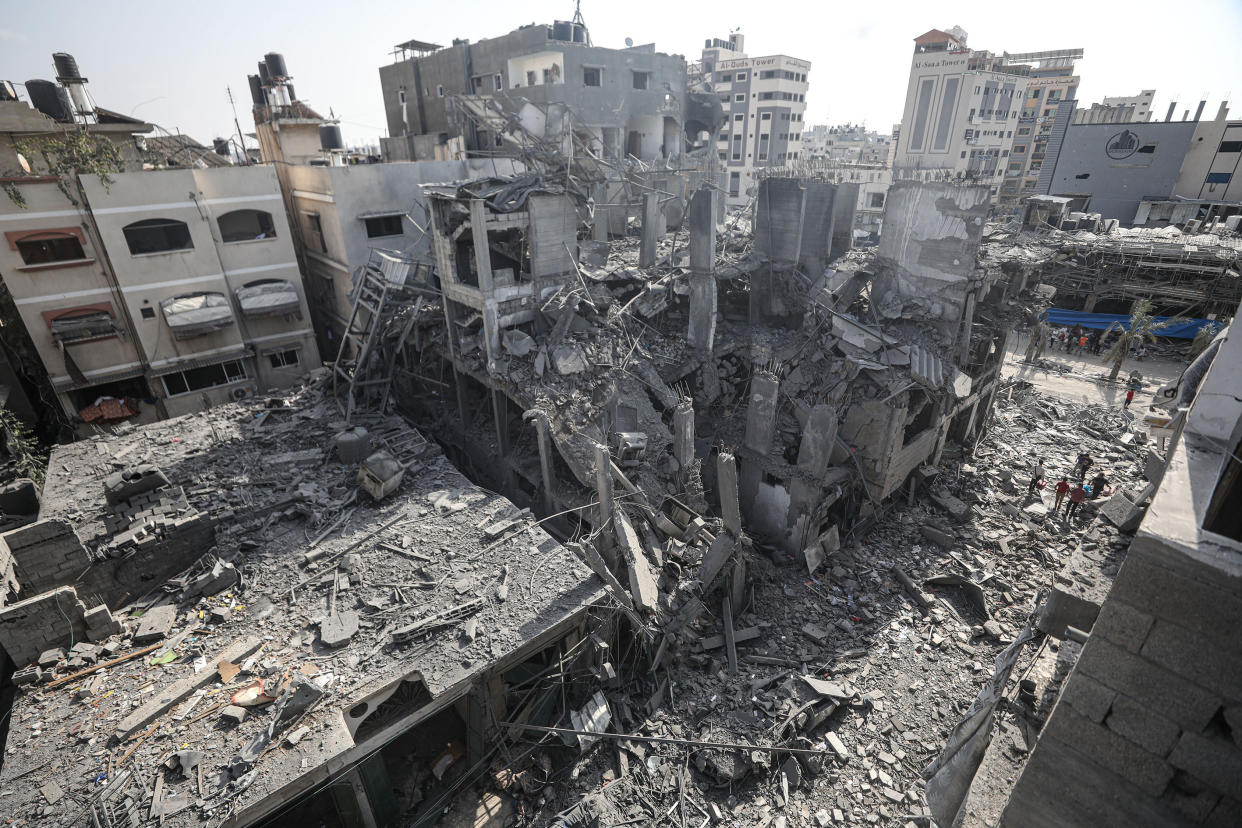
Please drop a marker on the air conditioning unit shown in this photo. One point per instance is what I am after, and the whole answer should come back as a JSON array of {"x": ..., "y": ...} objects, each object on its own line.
[{"x": 242, "y": 392}]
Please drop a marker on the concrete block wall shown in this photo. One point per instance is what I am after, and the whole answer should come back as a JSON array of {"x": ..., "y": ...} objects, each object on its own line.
[
  {"x": 51, "y": 619},
  {"x": 1148, "y": 728},
  {"x": 46, "y": 554}
]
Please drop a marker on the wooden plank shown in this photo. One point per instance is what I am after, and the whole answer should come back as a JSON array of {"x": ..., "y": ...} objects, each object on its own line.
[
  {"x": 164, "y": 701},
  {"x": 52, "y": 685}
]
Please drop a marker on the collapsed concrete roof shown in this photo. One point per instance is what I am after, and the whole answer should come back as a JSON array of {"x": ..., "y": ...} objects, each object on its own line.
[{"x": 307, "y": 593}]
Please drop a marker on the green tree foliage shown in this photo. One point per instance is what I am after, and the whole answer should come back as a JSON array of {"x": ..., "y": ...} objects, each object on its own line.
[{"x": 1143, "y": 327}]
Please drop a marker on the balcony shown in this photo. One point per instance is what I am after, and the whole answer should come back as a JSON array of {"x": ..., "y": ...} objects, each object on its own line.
[
  {"x": 196, "y": 314},
  {"x": 75, "y": 327},
  {"x": 269, "y": 297}
]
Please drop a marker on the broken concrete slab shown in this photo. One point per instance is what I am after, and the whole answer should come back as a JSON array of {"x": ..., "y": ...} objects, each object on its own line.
[
  {"x": 154, "y": 624},
  {"x": 338, "y": 628},
  {"x": 1122, "y": 513}
]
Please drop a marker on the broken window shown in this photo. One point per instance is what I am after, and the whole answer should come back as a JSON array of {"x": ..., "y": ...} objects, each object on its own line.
[
  {"x": 591, "y": 76},
  {"x": 735, "y": 183},
  {"x": 284, "y": 359},
  {"x": 1224, "y": 512},
  {"x": 498, "y": 82},
  {"x": 641, "y": 79},
  {"x": 877, "y": 200},
  {"x": 314, "y": 233},
  {"x": 48, "y": 248},
  {"x": 204, "y": 377},
  {"x": 157, "y": 236},
  {"x": 246, "y": 225},
  {"x": 380, "y": 226},
  {"x": 82, "y": 324}
]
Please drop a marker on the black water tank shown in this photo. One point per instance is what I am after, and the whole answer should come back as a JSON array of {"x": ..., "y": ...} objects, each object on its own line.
[
  {"x": 66, "y": 66},
  {"x": 289, "y": 89},
  {"x": 330, "y": 137},
  {"x": 221, "y": 146},
  {"x": 562, "y": 30},
  {"x": 579, "y": 33},
  {"x": 276, "y": 65},
  {"x": 256, "y": 91},
  {"x": 264, "y": 75},
  {"x": 51, "y": 99}
]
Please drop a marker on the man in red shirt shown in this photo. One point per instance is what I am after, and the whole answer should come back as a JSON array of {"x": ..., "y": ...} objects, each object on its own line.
[
  {"x": 1063, "y": 488},
  {"x": 1076, "y": 497}
]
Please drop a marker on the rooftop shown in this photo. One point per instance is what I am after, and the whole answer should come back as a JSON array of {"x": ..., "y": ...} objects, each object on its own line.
[{"x": 421, "y": 591}]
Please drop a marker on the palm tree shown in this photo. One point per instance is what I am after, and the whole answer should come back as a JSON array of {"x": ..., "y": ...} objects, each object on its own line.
[{"x": 1142, "y": 328}]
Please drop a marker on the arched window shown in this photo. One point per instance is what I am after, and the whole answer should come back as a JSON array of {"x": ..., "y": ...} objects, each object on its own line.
[
  {"x": 157, "y": 236},
  {"x": 246, "y": 225}
]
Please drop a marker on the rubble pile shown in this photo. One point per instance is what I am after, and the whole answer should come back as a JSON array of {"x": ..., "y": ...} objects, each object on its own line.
[{"x": 860, "y": 670}]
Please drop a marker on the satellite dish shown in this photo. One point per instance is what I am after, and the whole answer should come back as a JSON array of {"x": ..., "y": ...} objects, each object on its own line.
[{"x": 629, "y": 41}]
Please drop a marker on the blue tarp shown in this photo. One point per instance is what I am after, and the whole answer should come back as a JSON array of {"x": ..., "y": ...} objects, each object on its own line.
[{"x": 1183, "y": 328}]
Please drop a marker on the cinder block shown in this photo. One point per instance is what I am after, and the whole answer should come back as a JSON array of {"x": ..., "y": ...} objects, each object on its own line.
[
  {"x": 1189, "y": 654},
  {"x": 1147, "y": 772},
  {"x": 1142, "y": 726},
  {"x": 1087, "y": 696},
  {"x": 1216, "y": 761},
  {"x": 1187, "y": 704},
  {"x": 1175, "y": 597}
]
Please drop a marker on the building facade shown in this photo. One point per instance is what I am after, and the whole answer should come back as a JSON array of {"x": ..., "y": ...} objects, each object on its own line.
[
  {"x": 852, "y": 143},
  {"x": 1051, "y": 80},
  {"x": 961, "y": 111},
  {"x": 1118, "y": 110},
  {"x": 631, "y": 99},
  {"x": 764, "y": 99},
  {"x": 148, "y": 293}
]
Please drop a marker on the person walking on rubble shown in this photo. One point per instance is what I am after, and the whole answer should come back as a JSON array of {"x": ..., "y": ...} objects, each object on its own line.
[
  {"x": 1084, "y": 462},
  {"x": 1076, "y": 497},
  {"x": 1063, "y": 488},
  {"x": 1038, "y": 477},
  {"x": 1129, "y": 397},
  {"x": 1098, "y": 483}
]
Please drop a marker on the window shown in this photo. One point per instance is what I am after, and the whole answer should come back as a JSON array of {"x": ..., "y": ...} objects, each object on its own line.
[
  {"x": 741, "y": 76},
  {"x": 1217, "y": 177},
  {"x": 208, "y": 376},
  {"x": 439, "y": 91},
  {"x": 46, "y": 248},
  {"x": 1231, "y": 146},
  {"x": 314, "y": 233},
  {"x": 739, "y": 117},
  {"x": 498, "y": 82},
  {"x": 82, "y": 324},
  {"x": 963, "y": 153},
  {"x": 739, "y": 98},
  {"x": 1147, "y": 148},
  {"x": 530, "y": 77},
  {"x": 726, "y": 78},
  {"x": 246, "y": 225},
  {"x": 735, "y": 183},
  {"x": 284, "y": 359},
  {"x": 877, "y": 200},
  {"x": 767, "y": 116},
  {"x": 148, "y": 313},
  {"x": 1019, "y": 149},
  {"x": 401, "y": 96},
  {"x": 157, "y": 236},
  {"x": 591, "y": 75},
  {"x": 641, "y": 79},
  {"x": 383, "y": 226}
]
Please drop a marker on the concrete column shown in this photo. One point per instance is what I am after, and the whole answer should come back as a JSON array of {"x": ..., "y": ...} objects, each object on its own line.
[
  {"x": 968, "y": 323},
  {"x": 760, "y": 429},
  {"x": 603, "y": 492},
  {"x": 500, "y": 414},
  {"x": 1088, "y": 306},
  {"x": 599, "y": 230},
  {"x": 545, "y": 462},
  {"x": 483, "y": 266},
  {"x": 653, "y": 229},
  {"x": 683, "y": 438},
  {"x": 818, "y": 438},
  {"x": 702, "y": 327},
  {"x": 726, "y": 486}
]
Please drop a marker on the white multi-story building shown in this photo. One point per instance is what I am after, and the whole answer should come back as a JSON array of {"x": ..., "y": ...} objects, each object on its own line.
[
  {"x": 1141, "y": 103},
  {"x": 962, "y": 108},
  {"x": 851, "y": 143},
  {"x": 764, "y": 100}
]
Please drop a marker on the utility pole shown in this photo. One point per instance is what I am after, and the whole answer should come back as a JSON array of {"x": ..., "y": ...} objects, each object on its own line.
[{"x": 241, "y": 141}]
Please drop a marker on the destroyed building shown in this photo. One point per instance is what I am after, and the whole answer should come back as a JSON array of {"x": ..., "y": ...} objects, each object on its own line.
[
  {"x": 632, "y": 100},
  {"x": 319, "y": 652}
]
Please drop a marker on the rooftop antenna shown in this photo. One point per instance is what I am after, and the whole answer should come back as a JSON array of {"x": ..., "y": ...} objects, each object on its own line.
[
  {"x": 578, "y": 12},
  {"x": 241, "y": 142}
]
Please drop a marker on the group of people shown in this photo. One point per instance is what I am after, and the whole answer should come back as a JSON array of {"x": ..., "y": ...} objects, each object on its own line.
[
  {"x": 1076, "y": 340},
  {"x": 1070, "y": 496}
]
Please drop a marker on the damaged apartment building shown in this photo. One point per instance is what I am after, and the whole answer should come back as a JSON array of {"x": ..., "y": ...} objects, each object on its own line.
[
  {"x": 135, "y": 292},
  {"x": 696, "y": 366}
]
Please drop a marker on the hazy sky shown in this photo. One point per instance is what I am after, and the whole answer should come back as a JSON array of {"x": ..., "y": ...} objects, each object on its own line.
[{"x": 170, "y": 63}]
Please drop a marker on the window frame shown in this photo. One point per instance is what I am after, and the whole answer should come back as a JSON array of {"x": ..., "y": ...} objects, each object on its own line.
[
  {"x": 131, "y": 230},
  {"x": 267, "y": 234},
  {"x": 599, "y": 76},
  {"x": 229, "y": 378},
  {"x": 282, "y": 356},
  {"x": 46, "y": 238},
  {"x": 636, "y": 75},
  {"x": 385, "y": 219}
]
